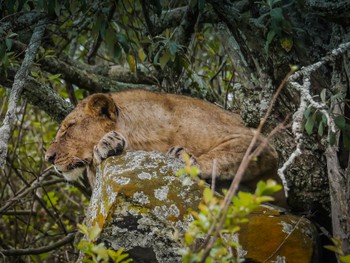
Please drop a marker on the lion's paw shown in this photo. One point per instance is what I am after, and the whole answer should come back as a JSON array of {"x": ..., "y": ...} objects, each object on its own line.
[
  {"x": 177, "y": 152},
  {"x": 111, "y": 144}
]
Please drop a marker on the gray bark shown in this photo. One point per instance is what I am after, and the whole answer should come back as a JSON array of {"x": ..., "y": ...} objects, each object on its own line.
[{"x": 18, "y": 85}]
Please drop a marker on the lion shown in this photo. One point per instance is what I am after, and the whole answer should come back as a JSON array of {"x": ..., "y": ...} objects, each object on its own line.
[{"x": 107, "y": 124}]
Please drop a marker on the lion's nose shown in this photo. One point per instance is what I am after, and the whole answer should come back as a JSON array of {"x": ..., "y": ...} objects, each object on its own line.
[{"x": 50, "y": 157}]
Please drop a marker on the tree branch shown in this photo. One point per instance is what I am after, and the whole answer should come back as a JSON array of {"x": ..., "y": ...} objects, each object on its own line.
[
  {"x": 36, "y": 251},
  {"x": 42, "y": 97},
  {"x": 186, "y": 28},
  {"x": 18, "y": 84},
  {"x": 337, "y": 181},
  {"x": 23, "y": 21},
  {"x": 86, "y": 80}
]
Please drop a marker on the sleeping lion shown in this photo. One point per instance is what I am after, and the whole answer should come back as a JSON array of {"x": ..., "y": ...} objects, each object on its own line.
[{"x": 106, "y": 124}]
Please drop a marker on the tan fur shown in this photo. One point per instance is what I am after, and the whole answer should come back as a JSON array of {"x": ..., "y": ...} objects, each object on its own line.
[{"x": 154, "y": 121}]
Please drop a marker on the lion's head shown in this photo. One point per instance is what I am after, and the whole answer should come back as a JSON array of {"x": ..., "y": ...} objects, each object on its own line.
[{"x": 72, "y": 149}]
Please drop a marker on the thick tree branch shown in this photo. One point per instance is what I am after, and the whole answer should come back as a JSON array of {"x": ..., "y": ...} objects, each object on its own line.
[
  {"x": 21, "y": 22},
  {"x": 86, "y": 80},
  {"x": 340, "y": 8},
  {"x": 173, "y": 17},
  {"x": 37, "y": 251},
  {"x": 18, "y": 85},
  {"x": 43, "y": 97}
]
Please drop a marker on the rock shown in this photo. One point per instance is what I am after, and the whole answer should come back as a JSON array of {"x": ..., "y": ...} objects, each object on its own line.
[{"x": 141, "y": 206}]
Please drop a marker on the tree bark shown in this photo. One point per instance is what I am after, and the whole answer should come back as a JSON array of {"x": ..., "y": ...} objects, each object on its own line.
[{"x": 18, "y": 85}]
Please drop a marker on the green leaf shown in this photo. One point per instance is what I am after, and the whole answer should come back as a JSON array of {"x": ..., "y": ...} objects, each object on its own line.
[
  {"x": 345, "y": 259},
  {"x": 276, "y": 13},
  {"x": 172, "y": 46},
  {"x": 51, "y": 199},
  {"x": 207, "y": 195},
  {"x": 346, "y": 140},
  {"x": 340, "y": 122},
  {"x": 34, "y": 74},
  {"x": 116, "y": 52},
  {"x": 267, "y": 188},
  {"x": 309, "y": 125},
  {"x": 332, "y": 248},
  {"x": 142, "y": 54},
  {"x": 270, "y": 36},
  {"x": 307, "y": 112},
  {"x": 9, "y": 43},
  {"x": 123, "y": 41},
  {"x": 164, "y": 59},
  {"x": 54, "y": 77},
  {"x": 94, "y": 232},
  {"x": 321, "y": 128},
  {"x": 83, "y": 229}
]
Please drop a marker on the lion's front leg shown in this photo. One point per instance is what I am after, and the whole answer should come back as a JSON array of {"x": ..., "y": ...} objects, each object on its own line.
[{"x": 111, "y": 144}]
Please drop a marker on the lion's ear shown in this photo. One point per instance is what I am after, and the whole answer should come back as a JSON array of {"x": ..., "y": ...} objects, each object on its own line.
[{"x": 101, "y": 105}]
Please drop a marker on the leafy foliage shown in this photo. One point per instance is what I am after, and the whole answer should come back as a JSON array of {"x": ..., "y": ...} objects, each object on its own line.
[
  {"x": 315, "y": 120},
  {"x": 98, "y": 253},
  {"x": 210, "y": 210},
  {"x": 337, "y": 248},
  {"x": 276, "y": 23}
]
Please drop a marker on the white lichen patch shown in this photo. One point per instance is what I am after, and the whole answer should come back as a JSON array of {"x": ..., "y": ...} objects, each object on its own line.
[
  {"x": 144, "y": 175},
  {"x": 144, "y": 223},
  {"x": 182, "y": 225},
  {"x": 112, "y": 195},
  {"x": 141, "y": 198},
  {"x": 164, "y": 212},
  {"x": 286, "y": 227},
  {"x": 161, "y": 212},
  {"x": 169, "y": 178},
  {"x": 174, "y": 210},
  {"x": 280, "y": 259},
  {"x": 161, "y": 193},
  {"x": 121, "y": 180}
]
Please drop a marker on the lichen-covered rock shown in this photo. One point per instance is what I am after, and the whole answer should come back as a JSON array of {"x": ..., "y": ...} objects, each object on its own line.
[
  {"x": 144, "y": 203},
  {"x": 141, "y": 206},
  {"x": 272, "y": 236}
]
